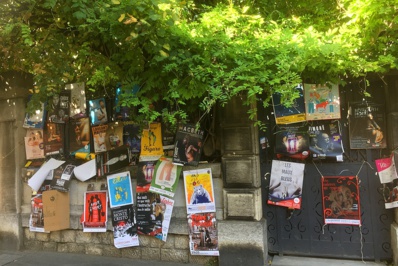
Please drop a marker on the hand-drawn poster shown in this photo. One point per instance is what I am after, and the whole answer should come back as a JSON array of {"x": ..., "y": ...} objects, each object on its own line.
[
  {"x": 203, "y": 235},
  {"x": 150, "y": 213},
  {"x": 292, "y": 114},
  {"x": 341, "y": 200},
  {"x": 98, "y": 113},
  {"x": 124, "y": 227},
  {"x": 95, "y": 211},
  {"x": 325, "y": 140},
  {"x": 114, "y": 135},
  {"x": 36, "y": 120},
  {"x": 53, "y": 139},
  {"x": 34, "y": 145},
  {"x": 99, "y": 138},
  {"x": 151, "y": 143},
  {"x": 286, "y": 184},
  {"x": 199, "y": 193},
  {"x": 78, "y": 100},
  {"x": 120, "y": 189},
  {"x": 367, "y": 126},
  {"x": 322, "y": 101},
  {"x": 166, "y": 178},
  {"x": 79, "y": 135},
  {"x": 188, "y": 145},
  {"x": 292, "y": 141}
]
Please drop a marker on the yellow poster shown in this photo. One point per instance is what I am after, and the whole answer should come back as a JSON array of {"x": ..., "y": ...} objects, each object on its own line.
[{"x": 151, "y": 143}]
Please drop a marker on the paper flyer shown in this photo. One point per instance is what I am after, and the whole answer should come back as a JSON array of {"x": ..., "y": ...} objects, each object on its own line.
[
  {"x": 341, "y": 200},
  {"x": 286, "y": 184},
  {"x": 120, "y": 189},
  {"x": 132, "y": 136},
  {"x": 166, "y": 177},
  {"x": 95, "y": 211},
  {"x": 112, "y": 160},
  {"x": 37, "y": 119},
  {"x": 292, "y": 114},
  {"x": 124, "y": 227},
  {"x": 85, "y": 171},
  {"x": 79, "y": 134},
  {"x": 145, "y": 175},
  {"x": 322, "y": 102},
  {"x": 78, "y": 99},
  {"x": 150, "y": 213},
  {"x": 188, "y": 145},
  {"x": 199, "y": 193},
  {"x": 36, "y": 220},
  {"x": 292, "y": 141},
  {"x": 62, "y": 177},
  {"x": 38, "y": 178},
  {"x": 151, "y": 143},
  {"x": 34, "y": 145},
  {"x": 53, "y": 138},
  {"x": 386, "y": 169},
  {"x": 203, "y": 234}
]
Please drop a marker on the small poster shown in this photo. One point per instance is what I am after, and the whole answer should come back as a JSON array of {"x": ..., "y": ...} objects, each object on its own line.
[
  {"x": 203, "y": 234},
  {"x": 34, "y": 145},
  {"x": 151, "y": 143},
  {"x": 97, "y": 111},
  {"x": 386, "y": 169},
  {"x": 124, "y": 227},
  {"x": 166, "y": 178},
  {"x": 367, "y": 126},
  {"x": 59, "y": 108},
  {"x": 325, "y": 140},
  {"x": 35, "y": 120},
  {"x": 36, "y": 220},
  {"x": 79, "y": 135},
  {"x": 322, "y": 101},
  {"x": 169, "y": 204},
  {"x": 188, "y": 145},
  {"x": 99, "y": 138},
  {"x": 53, "y": 139},
  {"x": 114, "y": 135},
  {"x": 341, "y": 200},
  {"x": 112, "y": 160},
  {"x": 150, "y": 213},
  {"x": 390, "y": 194},
  {"x": 95, "y": 211},
  {"x": 292, "y": 114},
  {"x": 286, "y": 184},
  {"x": 199, "y": 193},
  {"x": 62, "y": 177},
  {"x": 78, "y": 100},
  {"x": 132, "y": 136},
  {"x": 145, "y": 174},
  {"x": 292, "y": 141},
  {"x": 120, "y": 189}
]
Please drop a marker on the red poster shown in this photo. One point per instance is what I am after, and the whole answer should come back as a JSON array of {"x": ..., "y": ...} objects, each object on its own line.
[
  {"x": 340, "y": 196},
  {"x": 95, "y": 211}
]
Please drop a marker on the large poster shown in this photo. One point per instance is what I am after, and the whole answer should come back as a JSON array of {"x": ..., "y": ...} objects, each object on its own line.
[
  {"x": 292, "y": 114},
  {"x": 124, "y": 227},
  {"x": 292, "y": 141},
  {"x": 286, "y": 184},
  {"x": 367, "y": 126},
  {"x": 203, "y": 234},
  {"x": 120, "y": 190},
  {"x": 341, "y": 200},
  {"x": 95, "y": 211},
  {"x": 166, "y": 178},
  {"x": 322, "y": 101}
]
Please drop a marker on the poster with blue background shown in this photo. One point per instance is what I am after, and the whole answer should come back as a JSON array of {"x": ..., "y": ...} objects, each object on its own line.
[{"x": 120, "y": 190}]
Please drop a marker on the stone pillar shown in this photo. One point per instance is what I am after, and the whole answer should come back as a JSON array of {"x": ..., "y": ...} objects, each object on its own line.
[{"x": 242, "y": 233}]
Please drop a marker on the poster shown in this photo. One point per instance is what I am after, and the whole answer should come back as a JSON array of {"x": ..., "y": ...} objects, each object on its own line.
[
  {"x": 151, "y": 143},
  {"x": 341, "y": 200},
  {"x": 169, "y": 204},
  {"x": 292, "y": 141},
  {"x": 79, "y": 134},
  {"x": 35, "y": 120},
  {"x": 325, "y": 140},
  {"x": 53, "y": 138},
  {"x": 124, "y": 227},
  {"x": 62, "y": 177},
  {"x": 98, "y": 112},
  {"x": 36, "y": 220},
  {"x": 34, "y": 145},
  {"x": 387, "y": 172},
  {"x": 292, "y": 114},
  {"x": 199, "y": 193},
  {"x": 112, "y": 160},
  {"x": 286, "y": 184},
  {"x": 114, "y": 135},
  {"x": 145, "y": 174},
  {"x": 78, "y": 100},
  {"x": 203, "y": 234},
  {"x": 59, "y": 108},
  {"x": 166, "y": 177},
  {"x": 99, "y": 138},
  {"x": 188, "y": 145},
  {"x": 132, "y": 136},
  {"x": 120, "y": 189},
  {"x": 95, "y": 211},
  {"x": 367, "y": 126},
  {"x": 150, "y": 213},
  {"x": 322, "y": 102}
]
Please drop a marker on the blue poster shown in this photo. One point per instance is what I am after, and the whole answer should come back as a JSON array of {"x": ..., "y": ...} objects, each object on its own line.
[{"x": 120, "y": 190}]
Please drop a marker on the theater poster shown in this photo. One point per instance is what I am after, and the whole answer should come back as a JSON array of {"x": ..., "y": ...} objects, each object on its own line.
[
  {"x": 199, "y": 193},
  {"x": 286, "y": 184},
  {"x": 203, "y": 234},
  {"x": 292, "y": 141},
  {"x": 341, "y": 202},
  {"x": 322, "y": 102},
  {"x": 367, "y": 126},
  {"x": 166, "y": 177},
  {"x": 124, "y": 227},
  {"x": 150, "y": 213},
  {"x": 120, "y": 189},
  {"x": 291, "y": 114},
  {"x": 389, "y": 179},
  {"x": 95, "y": 211},
  {"x": 151, "y": 143}
]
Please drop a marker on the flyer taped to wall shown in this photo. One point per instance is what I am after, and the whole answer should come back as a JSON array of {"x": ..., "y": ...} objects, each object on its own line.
[
  {"x": 120, "y": 189},
  {"x": 166, "y": 177}
]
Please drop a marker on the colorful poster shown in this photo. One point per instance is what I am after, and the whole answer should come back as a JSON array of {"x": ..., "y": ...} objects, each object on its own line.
[
  {"x": 188, "y": 145},
  {"x": 111, "y": 161},
  {"x": 203, "y": 235},
  {"x": 390, "y": 194},
  {"x": 53, "y": 138},
  {"x": 95, "y": 211},
  {"x": 322, "y": 101},
  {"x": 79, "y": 135},
  {"x": 169, "y": 204},
  {"x": 99, "y": 138},
  {"x": 34, "y": 145},
  {"x": 114, "y": 135},
  {"x": 124, "y": 227},
  {"x": 325, "y": 140},
  {"x": 78, "y": 100},
  {"x": 386, "y": 169},
  {"x": 150, "y": 213},
  {"x": 120, "y": 190},
  {"x": 151, "y": 143},
  {"x": 145, "y": 174},
  {"x": 59, "y": 108},
  {"x": 97, "y": 112},
  {"x": 35, "y": 120},
  {"x": 36, "y": 219},
  {"x": 341, "y": 200},
  {"x": 292, "y": 114},
  {"x": 367, "y": 126},
  {"x": 199, "y": 193},
  {"x": 286, "y": 184},
  {"x": 166, "y": 178},
  {"x": 292, "y": 141}
]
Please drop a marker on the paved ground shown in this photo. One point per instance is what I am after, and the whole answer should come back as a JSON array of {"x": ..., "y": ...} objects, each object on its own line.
[{"x": 304, "y": 261}]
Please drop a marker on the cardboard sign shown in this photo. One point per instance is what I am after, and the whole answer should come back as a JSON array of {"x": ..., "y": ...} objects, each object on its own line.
[{"x": 56, "y": 210}]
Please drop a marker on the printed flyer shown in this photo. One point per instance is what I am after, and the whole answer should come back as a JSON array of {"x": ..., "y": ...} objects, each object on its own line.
[
  {"x": 388, "y": 177},
  {"x": 199, "y": 193},
  {"x": 145, "y": 174},
  {"x": 59, "y": 108},
  {"x": 341, "y": 200},
  {"x": 112, "y": 160},
  {"x": 53, "y": 138},
  {"x": 286, "y": 184},
  {"x": 292, "y": 141},
  {"x": 151, "y": 143},
  {"x": 97, "y": 112},
  {"x": 292, "y": 114},
  {"x": 150, "y": 213},
  {"x": 322, "y": 102},
  {"x": 99, "y": 138},
  {"x": 37, "y": 119},
  {"x": 78, "y": 99},
  {"x": 79, "y": 134},
  {"x": 132, "y": 136},
  {"x": 203, "y": 235},
  {"x": 62, "y": 177},
  {"x": 34, "y": 146},
  {"x": 390, "y": 194},
  {"x": 114, "y": 135},
  {"x": 95, "y": 211},
  {"x": 36, "y": 219},
  {"x": 166, "y": 178},
  {"x": 188, "y": 145},
  {"x": 124, "y": 227},
  {"x": 120, "y": 189}
]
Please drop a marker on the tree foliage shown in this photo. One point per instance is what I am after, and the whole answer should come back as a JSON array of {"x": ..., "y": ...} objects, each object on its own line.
[{"x": 184, "y": 53}]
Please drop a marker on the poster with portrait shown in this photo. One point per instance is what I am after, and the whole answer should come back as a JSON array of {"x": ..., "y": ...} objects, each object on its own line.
[
  {"x": 341, "y": 202},
  {"x": 132, "y": 136},
  {"x": 145, "y": 174},
  {"x": 387, "y": 172},
  {"x": 292, "y": 141},
  {"x": 166, "y": 177},
  {"x": 188, "y": 145},
  {"x": 124, "y": 227},
  {"x": 199, "y": 192},
  {"x": 286, "y": 184},
  {"x": 97, "y": 112},
  {"x": 34, "y": 145},
  {"x": 59, "y": 108},
  {"x": 78, "y": 100},
  {"x": 291, "y": 114},
  {"x": 53, "y": 138},
  {"x": 367, "y": 126},
  {"x": 99, "y": 138},
  {"x": 79, "y": 135},
  {"x": 150, "y": 213},
  {"x": 151, "y": 142},
  {"x": 203, "y": 234},
  {"x": 322, "y": 101},
  {"x": 325, "y": 140},
  {"x": 95, "y": 211},
  {"x": 120, "y": 189},
  {"x": 36, "y": 119},
  {"x": 114, "y": 135}
]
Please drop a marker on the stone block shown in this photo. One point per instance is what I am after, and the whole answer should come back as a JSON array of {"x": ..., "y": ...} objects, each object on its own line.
[
  {"x": 50, "y": 246},
  {"x": 241, "y": 171},
  {"x": 94, "y": 250},
  {"x": 25, "y": 217},
  {"x": 169, "y": 244},
  {"x": 179, "y": 226},
  {"x": 82, "y": 237},
  {"x": 63, "y": 247},
  {"x": 251, "y": 249},
  {"x": 132, "y": 253},
  {"x": 242, "y": 204},
  {"x": 396, "y": 212},
  {"x": 76, "y": 248},
  {"x": 181, "y": 242},
  {"x": 175, "y": 255},
  {"x": 235, "y": 112},
  {"x": 29, "y": 235},
  {"x": 203, "y": 260},
  {"x": 33, "y": 245},
  {"x": 42, "y": 237},
  {"x": 239, "y": 140},
  {"x": 111, "y": 251},
  {"x": 105, "y": 238},
  {"x": 68, "y": 236},
  {"x": 394, "y": 242},
  {"x": 149, "y": 241},
  {"x": 150, "y": 253},
  {"x": 55, "y": 236}
]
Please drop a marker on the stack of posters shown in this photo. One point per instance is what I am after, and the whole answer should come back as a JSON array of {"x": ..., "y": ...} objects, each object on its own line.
[
  {"x": 322, "y": 101},
  {"x": 151, "y": 143},
  {"x": 95, "y": 211},
  {"x": 292, "y": 114},
  {"x": 388, "y": 177},
  {"x": 286, "y": 184},
  {"x": 292, "y": 141},
  {"x": 199, "y": 196},
  {"x": 188, "y": 145}
]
